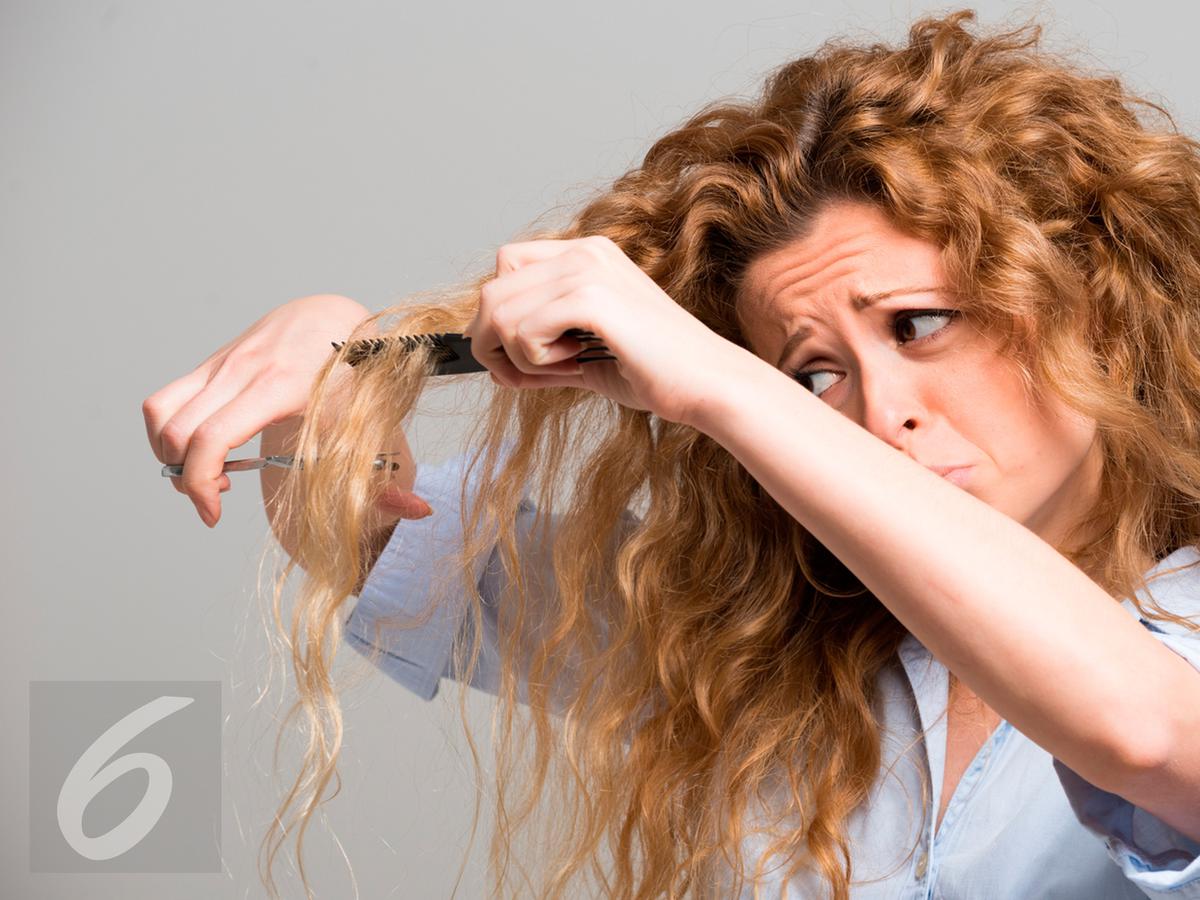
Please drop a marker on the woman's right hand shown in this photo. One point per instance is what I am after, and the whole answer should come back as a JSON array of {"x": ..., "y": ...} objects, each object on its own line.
[{"x": 262, "y": 377}]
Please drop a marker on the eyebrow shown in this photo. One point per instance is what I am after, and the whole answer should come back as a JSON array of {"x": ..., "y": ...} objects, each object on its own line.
[{"x": 860, "y": 302}]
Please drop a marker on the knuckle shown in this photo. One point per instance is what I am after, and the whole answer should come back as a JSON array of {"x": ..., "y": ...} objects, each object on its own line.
[
  {"x": 576, "y": 282},
  {"x": 150, "y": 406},
  {"x": 273, "y": 377},
  {"x": 600, "y": 243},
  {"x": 505, "y": 256},
  {"x": 254, "y": 358},
  {"x": 503, "y": 321},
  {"x": 587, "y": 290},
  {"x": 207, "y": 431},
  {"x": 487, "y": 293},
  {"x": 174, "y": 441},
  {"x": 584, "y": 252},
  {"x": 528, "y": 346}
]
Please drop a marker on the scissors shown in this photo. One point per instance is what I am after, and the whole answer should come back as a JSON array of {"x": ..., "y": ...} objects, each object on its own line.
[{"x": 453, "y": 357}]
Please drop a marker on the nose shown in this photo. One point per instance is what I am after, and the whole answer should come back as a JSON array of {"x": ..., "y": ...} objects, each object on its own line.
[{"x": 889, "y": 402}]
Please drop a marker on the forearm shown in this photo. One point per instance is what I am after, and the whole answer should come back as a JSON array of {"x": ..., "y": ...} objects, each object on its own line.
[{"x": 1024, "y": 628}]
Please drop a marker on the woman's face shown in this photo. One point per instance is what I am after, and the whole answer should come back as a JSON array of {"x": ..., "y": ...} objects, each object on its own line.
[{"x": 931, "y": 385}]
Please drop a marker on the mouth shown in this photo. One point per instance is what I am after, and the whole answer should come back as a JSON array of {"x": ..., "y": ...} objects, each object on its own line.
[{"x": 958, "y": 475}]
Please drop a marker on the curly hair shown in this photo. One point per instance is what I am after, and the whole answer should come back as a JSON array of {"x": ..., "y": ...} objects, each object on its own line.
[{"x": 677, "y": 669}]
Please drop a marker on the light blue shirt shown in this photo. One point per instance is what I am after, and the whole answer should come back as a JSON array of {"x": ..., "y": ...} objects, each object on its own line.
[{"x": 1019, "y": 823}]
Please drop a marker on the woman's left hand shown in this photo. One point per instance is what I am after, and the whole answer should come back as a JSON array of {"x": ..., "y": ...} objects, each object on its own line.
[{"x": 667, "y": 360}]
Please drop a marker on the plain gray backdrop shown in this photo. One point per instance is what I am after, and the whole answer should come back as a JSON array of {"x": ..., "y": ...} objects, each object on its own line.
[{"x": 169, "y": 172}]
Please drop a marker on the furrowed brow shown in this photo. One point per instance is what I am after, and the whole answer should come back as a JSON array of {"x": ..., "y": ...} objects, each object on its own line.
[{"x": 860, "y": 303}]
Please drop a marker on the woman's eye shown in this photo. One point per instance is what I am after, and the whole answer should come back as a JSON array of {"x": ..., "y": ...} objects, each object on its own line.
[
  {"x": 800, "y": 376},
  {"x": 903, "y": 319},
  {"x": 900, "y": 322}
]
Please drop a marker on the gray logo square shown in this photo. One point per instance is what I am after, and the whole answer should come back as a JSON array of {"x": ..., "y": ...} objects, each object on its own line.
[{"x": 125, "y": 776}]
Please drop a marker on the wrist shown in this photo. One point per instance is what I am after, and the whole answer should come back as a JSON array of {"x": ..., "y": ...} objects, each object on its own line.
[{"x": 736, "y": 376}]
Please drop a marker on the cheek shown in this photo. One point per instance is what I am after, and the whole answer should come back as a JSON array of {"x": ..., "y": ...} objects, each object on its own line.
[
  {"x": 1036, "y": 449},
  {"x": 992, "y": 415},
  {"x": 1070, "y": 438}
]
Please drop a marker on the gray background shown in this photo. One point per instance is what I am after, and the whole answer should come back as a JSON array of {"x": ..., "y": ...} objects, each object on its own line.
[{"x": 171, "y": 171}]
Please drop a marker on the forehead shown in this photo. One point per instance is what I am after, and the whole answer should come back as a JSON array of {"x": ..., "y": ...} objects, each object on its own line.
[{"x": 850, "y": 251}]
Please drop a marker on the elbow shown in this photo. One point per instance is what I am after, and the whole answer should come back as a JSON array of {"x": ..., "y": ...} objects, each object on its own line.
[
  {"x": 1143, "y": 746},
  {"x": 1142, "y": 753},
  {"x": 1162, "y": 721}
]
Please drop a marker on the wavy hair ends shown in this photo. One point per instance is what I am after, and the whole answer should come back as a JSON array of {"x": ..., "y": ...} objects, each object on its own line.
[{"x": 691, "y": 667}]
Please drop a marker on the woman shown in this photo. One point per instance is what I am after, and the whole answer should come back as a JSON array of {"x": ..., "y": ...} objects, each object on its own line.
[{"x": 878, "y": 571}]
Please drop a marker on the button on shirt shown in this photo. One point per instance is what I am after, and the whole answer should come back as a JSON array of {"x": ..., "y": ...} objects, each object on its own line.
[{"x": 1019, "y": 823}]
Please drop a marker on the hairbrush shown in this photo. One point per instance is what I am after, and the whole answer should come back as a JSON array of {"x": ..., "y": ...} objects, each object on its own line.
[{"x": 453, "y": 350}]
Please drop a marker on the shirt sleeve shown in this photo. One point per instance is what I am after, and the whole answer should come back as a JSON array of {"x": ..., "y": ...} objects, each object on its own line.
[
  {"x": 409, "y": 577},
  {"x": 1159, "y": 860}
]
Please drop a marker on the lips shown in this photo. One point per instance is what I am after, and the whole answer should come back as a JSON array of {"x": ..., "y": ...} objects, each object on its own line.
[
  {"x": 943, "y": 470},
  {"x": 954, "y": 474}
]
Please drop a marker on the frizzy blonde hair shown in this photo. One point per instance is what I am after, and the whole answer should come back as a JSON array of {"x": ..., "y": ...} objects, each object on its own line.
[{"x": 682, "y": 665}]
